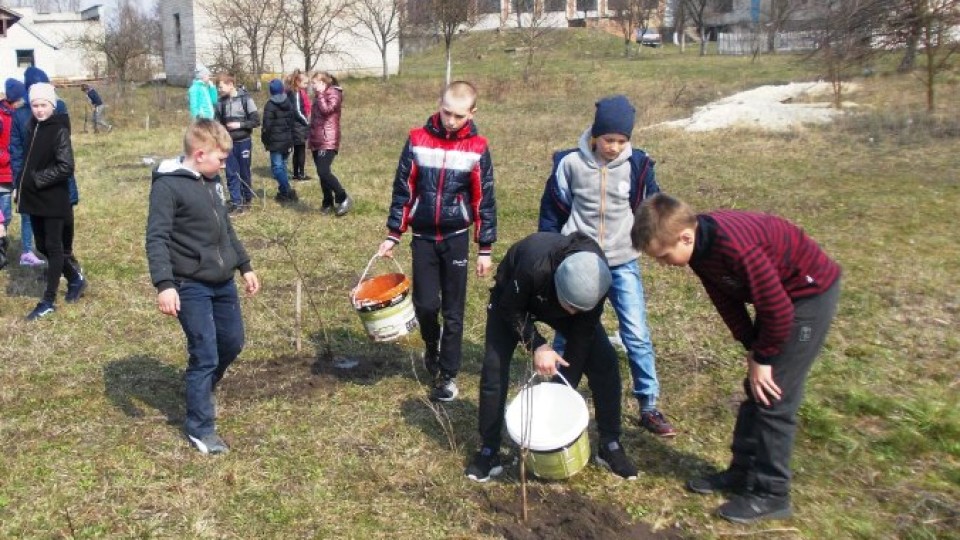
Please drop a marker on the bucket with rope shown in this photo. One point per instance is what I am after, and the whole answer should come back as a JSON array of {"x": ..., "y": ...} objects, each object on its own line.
[
  {"x": 549, "y": 420},
  {"x": 384, "y": 303}
]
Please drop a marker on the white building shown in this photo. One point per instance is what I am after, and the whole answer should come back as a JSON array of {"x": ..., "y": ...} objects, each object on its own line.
[
  {"x": 190, "y": 38},
  {"x": 28, "y": 38}
]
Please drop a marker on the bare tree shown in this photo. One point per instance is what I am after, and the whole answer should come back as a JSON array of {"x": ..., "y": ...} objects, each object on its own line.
[
  {"x": 848, "y": 31},
  {"x": 378, "y": 21},
  {"x": 254, "y": 22},
  {"x": 633, "y": 18},
  {"x": 930, "y": 28},
  {"x": 128, "y": 37},
  {"x": 314, "y": 27},
  {"x": 696, "y": 9},
  {"x": 533, "y": 27},
  {"x": 777, "y": 14},
  {"x": 447, "y": 16}
]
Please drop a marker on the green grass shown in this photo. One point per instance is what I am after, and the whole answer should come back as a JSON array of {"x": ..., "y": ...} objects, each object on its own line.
[{"x": 91, "y": 398}]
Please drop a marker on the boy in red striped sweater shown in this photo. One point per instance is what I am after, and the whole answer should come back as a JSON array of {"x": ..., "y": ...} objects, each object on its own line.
[{"x": 751, "y": 258}]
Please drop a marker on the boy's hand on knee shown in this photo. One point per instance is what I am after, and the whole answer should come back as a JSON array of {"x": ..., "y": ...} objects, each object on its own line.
[
  {"x": 169, "y": 302},
  {"x": 762, "y": 385}
]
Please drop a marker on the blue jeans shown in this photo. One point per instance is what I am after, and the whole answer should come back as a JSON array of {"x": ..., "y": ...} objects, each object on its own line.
[
  {"x": 239, "y": 178},
  {"x": 210, "y": 318},
  {"x": 278, "y": 166},
  {"x": 626, "y": 296}
]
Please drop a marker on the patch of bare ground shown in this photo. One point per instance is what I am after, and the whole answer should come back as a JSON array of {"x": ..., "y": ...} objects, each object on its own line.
[{"x": 560, "y": 515}]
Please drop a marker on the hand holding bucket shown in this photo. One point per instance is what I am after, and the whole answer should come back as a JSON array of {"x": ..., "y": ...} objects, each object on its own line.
[{"x": 384, "y": 303}]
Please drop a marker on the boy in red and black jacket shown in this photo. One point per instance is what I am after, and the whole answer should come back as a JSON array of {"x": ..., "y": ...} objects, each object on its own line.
[
  {"x": 444, "y": 184},
  {"x": 751, "y": 258}
]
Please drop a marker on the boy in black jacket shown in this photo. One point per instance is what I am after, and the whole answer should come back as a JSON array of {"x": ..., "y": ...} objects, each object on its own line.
[
  {"x": 560, "y": 281},
  {"x": 193, "y": 253},
  {"x": 277, "y": 137},
  {"x": 43, "y": 192},
  {"x": 444, "y": 184}
]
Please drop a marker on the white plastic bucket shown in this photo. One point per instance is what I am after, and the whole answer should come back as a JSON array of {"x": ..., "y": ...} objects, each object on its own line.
[{"x": 550, "y": 419}]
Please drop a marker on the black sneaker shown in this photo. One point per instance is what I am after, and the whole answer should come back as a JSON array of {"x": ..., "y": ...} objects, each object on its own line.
[
  {"x": 75, "y": 290},
  {"x": 326, "y": 210},
  {"x": 752, "y": 507},
  {"x": 209, "y": 444},
  {"x": 42, "y": 310},
  {"x": 485, "y": 465},
  {"x": 730, "y": 480},
  {"x": 444, "y": 389},
  {"x": 612, "y": 456},
  {"x": 236, "y": 209},
  {"x": 431, "y": 361}
]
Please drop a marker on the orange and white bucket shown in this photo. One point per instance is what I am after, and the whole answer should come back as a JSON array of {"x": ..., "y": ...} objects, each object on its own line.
[{"x": 384, "y": 304}]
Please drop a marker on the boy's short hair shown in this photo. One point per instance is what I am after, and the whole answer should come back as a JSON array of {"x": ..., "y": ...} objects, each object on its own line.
[
  {"x": 461, "y": 90},
  {"x": 204, "y": 133},
  {"x": 227, "y": 78},
  {"x": 661, "y": 218}
]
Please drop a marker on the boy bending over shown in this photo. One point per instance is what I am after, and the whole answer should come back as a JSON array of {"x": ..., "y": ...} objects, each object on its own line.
[{"x": 750, "y": 258}]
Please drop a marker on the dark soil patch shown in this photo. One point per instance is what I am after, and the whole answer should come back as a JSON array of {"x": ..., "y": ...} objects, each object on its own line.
[
  {"x": 293, "y": 377},
  {"x": 559, "y": 515}
]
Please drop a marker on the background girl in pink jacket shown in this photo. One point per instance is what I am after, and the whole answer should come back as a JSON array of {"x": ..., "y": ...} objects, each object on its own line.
[{"x": 325, "y": 140}]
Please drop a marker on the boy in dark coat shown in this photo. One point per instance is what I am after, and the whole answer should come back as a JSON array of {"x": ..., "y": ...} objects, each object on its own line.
[
  {"x": 277, "y": 135},
  {"x": 98, "y": 107},
  {"x": 238, "y": 113},
  {"x": 750, "y": 258},
  {"x": 560, "y": 281},
  {"x": 444, "y": 184},
  {"x": 44, "y": 193},
  {"x": 193, "y": 254}
]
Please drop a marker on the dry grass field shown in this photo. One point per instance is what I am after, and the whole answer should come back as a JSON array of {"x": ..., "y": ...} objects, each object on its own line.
[{"x": 91, "y": 399}]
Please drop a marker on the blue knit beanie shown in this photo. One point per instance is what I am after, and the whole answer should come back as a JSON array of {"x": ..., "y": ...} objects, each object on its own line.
[
  {"x": 276, "y": 87},
  {"x": 614, "y": 114},
  {"x": 15, "y": 90},
  {"x": 34, "y": 75}
]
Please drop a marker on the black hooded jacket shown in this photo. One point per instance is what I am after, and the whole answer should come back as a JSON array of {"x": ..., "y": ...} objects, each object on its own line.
[
  {"x": 525, "y": 292},
  {"x": 189, "y": 235},
  {"x": 47, "y": 167},
  {"x": 277, "y": 132}
]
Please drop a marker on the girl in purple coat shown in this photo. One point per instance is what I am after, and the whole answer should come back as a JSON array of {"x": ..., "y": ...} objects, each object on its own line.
[{"x": 325, "y": 140}]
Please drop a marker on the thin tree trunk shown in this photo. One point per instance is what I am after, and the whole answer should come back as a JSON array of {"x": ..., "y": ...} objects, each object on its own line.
[{"x": 449, "y": 65}]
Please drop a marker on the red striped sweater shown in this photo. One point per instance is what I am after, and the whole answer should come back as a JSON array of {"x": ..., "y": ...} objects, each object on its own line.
[{"x": 764, "y": 260}]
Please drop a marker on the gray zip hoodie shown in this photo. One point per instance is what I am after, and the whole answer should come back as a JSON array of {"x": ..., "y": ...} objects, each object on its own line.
[
  {"x": 600, "y": 199},
  {"x": 189, "y": 235}
]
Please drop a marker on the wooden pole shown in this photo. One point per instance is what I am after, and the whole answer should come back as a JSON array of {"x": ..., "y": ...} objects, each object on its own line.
[
  {"x": 299, "y": 313},
  {"x": 523, "y": 483},
  {"x": 146, "y": 122}
]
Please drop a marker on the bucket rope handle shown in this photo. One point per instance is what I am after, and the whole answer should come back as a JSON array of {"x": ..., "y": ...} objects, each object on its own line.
[
  {"x": 353, "y": 292},
  {"x": 526, "y": 428}
]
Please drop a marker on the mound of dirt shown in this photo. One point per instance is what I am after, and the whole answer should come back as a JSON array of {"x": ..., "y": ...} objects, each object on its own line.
[
  {"x": 772, "y": 107},
  {"x": 560, "y": 515}
]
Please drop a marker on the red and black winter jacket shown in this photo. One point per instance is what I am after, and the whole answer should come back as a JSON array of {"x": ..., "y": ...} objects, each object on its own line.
[
  {"x": 6, "y": 127},
  {"x": 764, "y": 260},
  {"x": 444, "y": 183}
]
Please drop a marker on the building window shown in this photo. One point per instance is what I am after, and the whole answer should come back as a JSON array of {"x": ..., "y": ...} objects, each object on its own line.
[
  {"x": 555, "y": 5},
  {"x": 586, "y": 5},
  {"x": 176, "y": 29},
  {"x": 523, "y": 6},
  {"x": 25, "y": 58},
  {"x": 724, "y": 6},
  {"x": 489, "y": 6}
]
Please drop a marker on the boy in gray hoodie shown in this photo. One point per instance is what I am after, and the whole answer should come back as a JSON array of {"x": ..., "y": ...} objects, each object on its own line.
[{"x": 594, "y": 189}]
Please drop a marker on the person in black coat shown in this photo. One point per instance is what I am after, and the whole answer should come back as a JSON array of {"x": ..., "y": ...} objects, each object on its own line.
[
  {"x": 43, "y": 192},
  {"x": 277, "y": 134},
  {"x": 560, "y": 281}
]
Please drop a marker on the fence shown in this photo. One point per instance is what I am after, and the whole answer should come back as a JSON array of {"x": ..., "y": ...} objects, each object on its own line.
[{"x": 743, "y": 42}]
